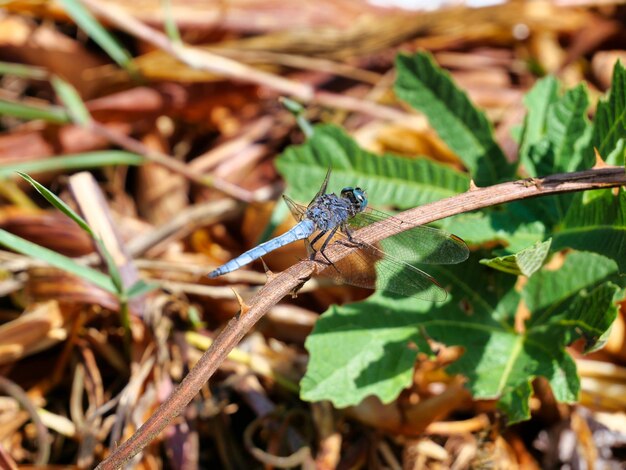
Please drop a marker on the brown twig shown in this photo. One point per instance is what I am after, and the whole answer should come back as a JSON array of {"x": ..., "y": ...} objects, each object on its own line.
[{"x": 280, "y": 285}]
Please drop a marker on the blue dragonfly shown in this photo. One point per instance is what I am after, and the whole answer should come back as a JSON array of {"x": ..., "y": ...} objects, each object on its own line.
[{"x": 388, "y": 266}]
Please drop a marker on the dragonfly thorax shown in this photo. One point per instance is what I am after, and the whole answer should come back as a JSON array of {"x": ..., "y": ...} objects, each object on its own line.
[{"x": 329, "y": 211}]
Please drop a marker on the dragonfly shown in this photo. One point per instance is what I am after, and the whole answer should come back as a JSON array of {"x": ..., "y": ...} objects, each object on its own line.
[{"x": 387, "y": 265}]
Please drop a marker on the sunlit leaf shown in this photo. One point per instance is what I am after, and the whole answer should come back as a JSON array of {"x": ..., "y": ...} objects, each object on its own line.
[
  {"x": 596, "y": 221},
  {"x": 24, "y": 71},
  {"x": 610, "y": 120},
  {"x": 369, "y": 348},
  {"x": 465, "y": 129},
  {"x": 525, "y": 262},
  {"x": 388, "y": 179}
]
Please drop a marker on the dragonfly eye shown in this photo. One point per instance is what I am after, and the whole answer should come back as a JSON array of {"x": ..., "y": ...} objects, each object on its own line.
[
  {"x": 356, "y": 196},
  {"x": 360, "y": 197}
]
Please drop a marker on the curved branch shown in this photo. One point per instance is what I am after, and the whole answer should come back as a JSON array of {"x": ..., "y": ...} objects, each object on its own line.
[{"x": 278, "y": 286}]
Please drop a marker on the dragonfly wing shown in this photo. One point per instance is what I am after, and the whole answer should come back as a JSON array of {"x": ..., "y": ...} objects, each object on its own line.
[
  {"x": 297, "y": 210},
  {"x": 371, "y": 268},
  {"x": 421, "y": 244},
  {"x": 322, "y": 190}
]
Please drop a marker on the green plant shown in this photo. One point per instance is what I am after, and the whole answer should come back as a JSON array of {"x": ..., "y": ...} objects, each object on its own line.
[{"x": 578, "y": 300}]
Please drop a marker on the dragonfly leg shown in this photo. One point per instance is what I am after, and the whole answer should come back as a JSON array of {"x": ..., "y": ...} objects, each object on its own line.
[
  {"x": 321, "y": 250},
  {"x": 348, "y": 233},
  {"x": 314, "y": 241}
]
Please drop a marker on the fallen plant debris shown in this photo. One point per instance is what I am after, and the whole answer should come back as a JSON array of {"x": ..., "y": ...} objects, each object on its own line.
[{"x": 144, "y": 144}]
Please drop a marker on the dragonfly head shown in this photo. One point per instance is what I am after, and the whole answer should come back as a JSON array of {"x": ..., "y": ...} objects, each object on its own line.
[{"x": 356, "y": 196}]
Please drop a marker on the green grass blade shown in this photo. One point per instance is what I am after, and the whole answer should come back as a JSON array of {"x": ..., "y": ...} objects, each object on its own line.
[
  {"x": 33, "y": 250},
  {"x": 171, "y": 28},
  {"x": 58, "y": 203},
  {"x": 23, "y": 71},
  {"x": 139, "y": 288},
  {"x": 99, "y": 34},
  {"x": 67, "y": 162},
  {"x": 299, "y": 112},
  {"x": 53, "y": 114},
  {"x": 68, "y": 95},
  {"x": 114, "y": 273}
]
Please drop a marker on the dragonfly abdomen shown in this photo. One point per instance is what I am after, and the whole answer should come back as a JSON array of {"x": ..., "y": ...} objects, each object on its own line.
[{"x": 299, "y": 232}]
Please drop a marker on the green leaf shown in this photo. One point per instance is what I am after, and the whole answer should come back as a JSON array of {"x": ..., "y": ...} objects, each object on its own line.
[
  {"x": 101, "y": 36},
  {"x": 67, "y": 162},
  {"x": 617, "y": 156},
  {"x": 566, "y": 125},
  {"x": 575, "y": 299},
  {"x": 68, "y": 95},
  {"x": 537, "y": 102},
  {"x": 358, "y": 350},
  {"x": 465, "y": 129},
  {"x": 58, "y": 203},
  {"x": 512, "y": 226},
  {"x": 112, "y": 269},
  {"x": 525, "y": 262},
  {"x": 171, "y": 28},
  {"x": 556, "y": 136},
  {"x": 545, "y": 292},
  {"x": 610, "y": 120},
  {"x": 596, "y": 221},
  {"x": 27, "y": 248},
  {"x": 369, "y": 348},
  {"x": 53, "y": 114},
  {"x": 389, "y": 179},
  {"x": 515, "y": 404}
]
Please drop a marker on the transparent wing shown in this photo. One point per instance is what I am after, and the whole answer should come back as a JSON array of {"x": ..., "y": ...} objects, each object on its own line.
[
  {"x": 388, "y": 265},
  {"x": 371, "y": 268},
  {"x": 322, "y": 190},
  {"x": 297, "y": 210},
  {"x": 419, "y": 244}
]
